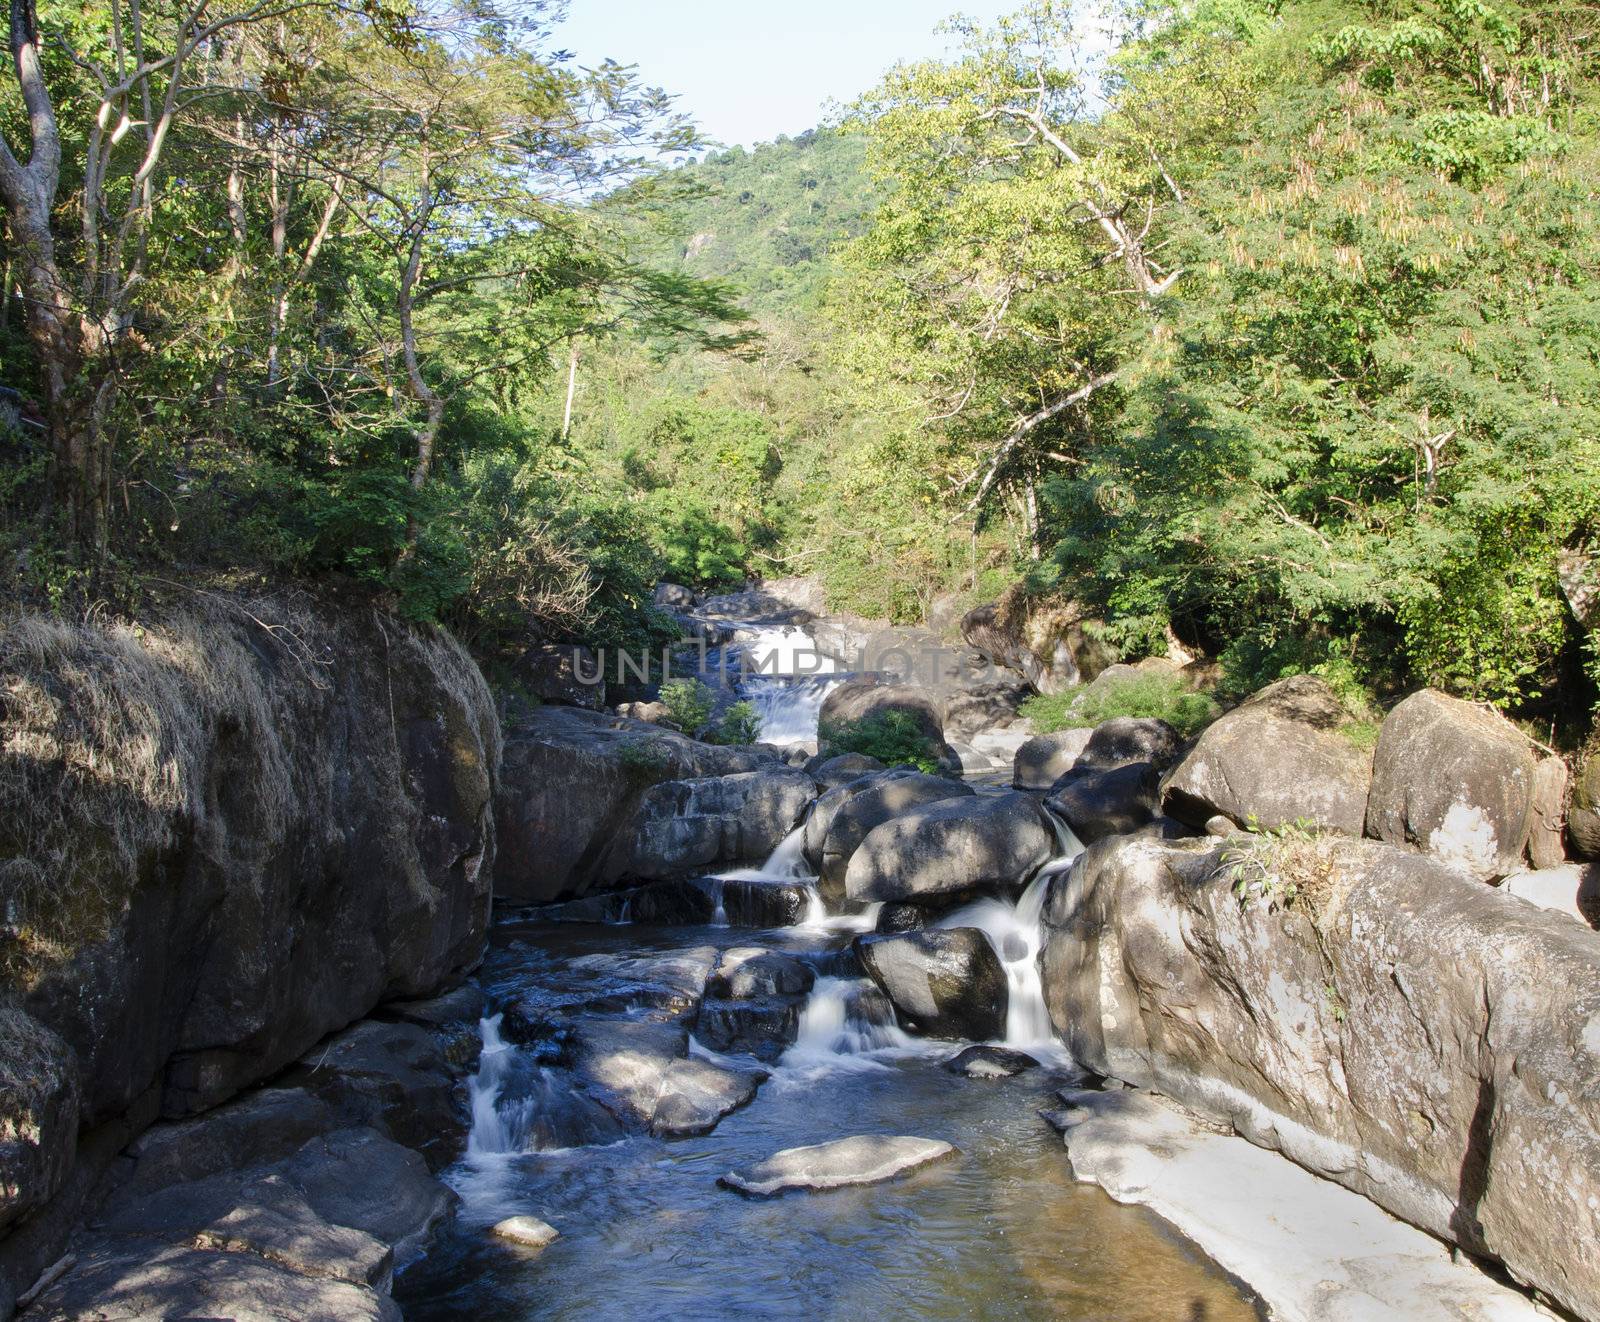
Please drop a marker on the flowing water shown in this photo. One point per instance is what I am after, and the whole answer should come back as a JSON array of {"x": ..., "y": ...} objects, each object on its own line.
[{"x": 1002, "y": 1231}]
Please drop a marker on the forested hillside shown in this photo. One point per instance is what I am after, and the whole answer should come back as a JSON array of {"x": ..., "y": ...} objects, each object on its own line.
[{"x": 1276, "y": 340}]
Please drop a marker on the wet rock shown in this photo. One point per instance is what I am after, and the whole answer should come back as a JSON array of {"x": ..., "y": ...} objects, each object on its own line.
[
  {"x": 1455, "y": 780},
  {"x": 39, "y": 1109},
  {"x": 464, "y": 1005},
  {"x": 945, "y": 983},
  {"x": 392, "y": 1077},
  {"x": 747, "y": 971},
  {"x": 1045, "y": 758},
  {"x": 149, "y": 1279},
  {"x": 901, "y": 917},
  {"x": 952, "y": 848},
  {"x": 1097, "y": 804},
  {"x": 641, "y": 1072},
  {"x": 1395, "y": 1026},
  {"x": 674, "y": 596},
  {"x": 869, "y": 807},
  {"x": 986, "y": 1062},
  {"x": 685, "y": 824},
  {"x": 526, "y": 1231},
  {"x": 764, "y": 903},
  {"x": 1276, "y": 758},
  {"x": 1570, "y": 888},
  {"x": 861, "y": 1159},
  {"x": 763, "y": 1027}
]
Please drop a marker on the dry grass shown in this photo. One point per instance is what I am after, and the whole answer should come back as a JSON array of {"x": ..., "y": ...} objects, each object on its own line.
[{"x": 202, "y": 730}]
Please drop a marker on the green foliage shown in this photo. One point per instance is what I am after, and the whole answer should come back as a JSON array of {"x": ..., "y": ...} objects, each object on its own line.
[
  {"x": 895, "y": 738},
  {"x": 1161, "y": 696},
  {"x": 739, "y": 725},
  {"x": 688, "y": 703}
]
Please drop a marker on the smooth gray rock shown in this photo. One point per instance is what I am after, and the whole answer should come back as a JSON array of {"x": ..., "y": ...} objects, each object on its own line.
[
  {"x": 872, "y": 805},
  {"x": 1097, "y": 804},
  {"x": 685, "y": 824},
  {"x": 945, "y": 982},
  {"x": 1045, "y": 758},
  {"x": 257, "y": 1129},
  {"x": 986, "y": 1062},
  {"x": 1583, "y": 815},
  {"x": 146, "y": 1279},
  {"x": 1547, "y": 843},
  {"x": 1273, "y": 760},
  {"x": 262, "y": 1214},
  {"x": 1394, "y": 1025},
  {"x": 359, "y": 1178},
  {"x": 860, "y": 1159},
  {"x": 952, "y": 848},
  {"x": 641, "y": 1072},
  {"x": 1128, "y": 739},
  {"x": 1456, "y": 780},
  {"x": 841, "y": 769},
  {"x": 570, "y": 784},
  {"x": 746, "y": 971}
]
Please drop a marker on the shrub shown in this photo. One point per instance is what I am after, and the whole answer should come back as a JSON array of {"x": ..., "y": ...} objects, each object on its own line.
[
  {"x": 1161, "y": 696},
  {"x": 688, "y": 703},
  {"x": 895, "y": 738},
  {"x": 739, "y": 725}
]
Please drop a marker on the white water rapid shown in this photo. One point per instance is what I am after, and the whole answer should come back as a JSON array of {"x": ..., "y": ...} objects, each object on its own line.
[
  {"x": 1017, "y": 933},
  {"x": 786, "y": 680}
]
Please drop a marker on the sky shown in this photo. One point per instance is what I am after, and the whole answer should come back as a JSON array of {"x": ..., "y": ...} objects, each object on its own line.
[{"x": 749, "y": 70}]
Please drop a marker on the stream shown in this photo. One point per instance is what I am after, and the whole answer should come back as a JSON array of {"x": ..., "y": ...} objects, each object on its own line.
[{"x": 1001, "y": 1231}]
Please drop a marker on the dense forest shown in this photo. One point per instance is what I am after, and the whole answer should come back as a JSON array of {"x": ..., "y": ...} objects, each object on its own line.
[{"x": 1273, "y": 336}]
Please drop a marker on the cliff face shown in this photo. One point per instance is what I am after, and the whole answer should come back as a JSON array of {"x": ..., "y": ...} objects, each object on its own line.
[{"x": 224, "y": 833}]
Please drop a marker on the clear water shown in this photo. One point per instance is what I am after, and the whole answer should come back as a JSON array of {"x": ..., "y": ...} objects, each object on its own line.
[{"x": 1000, "y": 1232}]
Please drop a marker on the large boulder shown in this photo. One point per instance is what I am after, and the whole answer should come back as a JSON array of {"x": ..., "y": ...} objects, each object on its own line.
[
  {"x": 570, "y": 784},
  {"x": 1376, "y": 1016},
  {"x": 945, "y": 983},
  {"x": 562, "y": 673},
  {"x": 1547, "y": 820},
  {"x": 870, "y": 696},
  {"x": 832, "y": 772},
  {"x": 1124, "y": 740},
  {"x": 288, "y": 821},
  {"x": 1052, "y": 643},
  {"x": 883, "y": 798},
  {"x": 1097, "y": 804},
  {"x": 680, "y": 825},
  {"x": 39, "y": 1104},
  {"x": 1276, "y": 758},
  {"x": 1045, "y": 758},
  {"x": 1583, "y": 816},
  {"x": 952, "y": 848},
  {"x": 1456, "y": 780}
]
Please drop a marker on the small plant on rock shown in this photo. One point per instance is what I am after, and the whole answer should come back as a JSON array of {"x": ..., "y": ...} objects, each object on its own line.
[
  {"x": 895, "y": 738},
  {"x": 688, "y": 704},
  {"x": 739, "y": 725}
]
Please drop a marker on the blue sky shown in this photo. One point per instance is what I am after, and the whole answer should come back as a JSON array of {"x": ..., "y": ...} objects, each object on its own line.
[{"x": 748, "y": 70}]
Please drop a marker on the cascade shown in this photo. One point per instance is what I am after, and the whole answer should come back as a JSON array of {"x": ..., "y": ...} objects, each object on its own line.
[
  {"x": 1016, "y": 931},
  {"x": 844, "y": 1017}
]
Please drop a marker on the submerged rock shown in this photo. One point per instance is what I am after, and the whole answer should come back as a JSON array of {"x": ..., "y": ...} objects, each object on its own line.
[
  {"x": 527, "y": 1231},
  {"x": 945, "y": 983},
  {"x": 952, "y": 848},
  {"x": 986, "y": 1062},
  {"x": 861, "y": 1159}
]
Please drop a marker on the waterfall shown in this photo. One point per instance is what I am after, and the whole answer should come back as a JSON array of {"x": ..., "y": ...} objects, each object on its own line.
[
  {"x": 786, "y": 679},
  {"x": 1016, "y": 931},
  {"x": 489, "y": 1131},
  {"x": 788, "y": 861},
  {"x": 842, "y": 1018}
]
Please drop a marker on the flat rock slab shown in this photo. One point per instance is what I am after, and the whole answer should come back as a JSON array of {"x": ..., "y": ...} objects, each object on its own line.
[
  {"x": 1313, "y": 1250},
  {"x": 860, "y": 1159},
  {"x": 145, "y": 1279}
]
